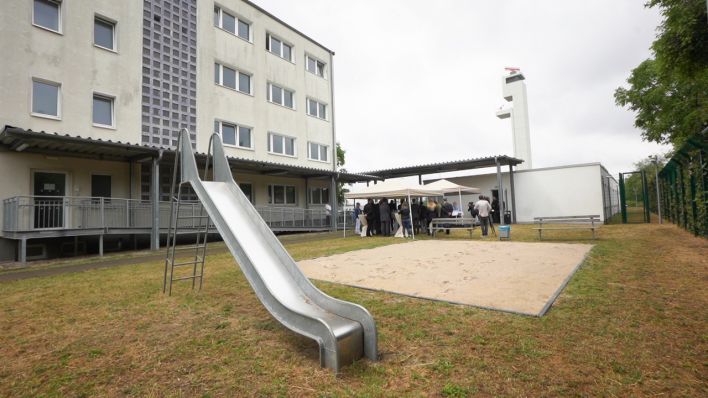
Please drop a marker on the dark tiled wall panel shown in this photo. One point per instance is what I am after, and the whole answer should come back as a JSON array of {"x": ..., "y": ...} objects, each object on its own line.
[{"x": 169, "y": 85}]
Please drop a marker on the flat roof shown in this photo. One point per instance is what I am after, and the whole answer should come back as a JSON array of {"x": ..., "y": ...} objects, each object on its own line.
[
  {"x": 441, "y": 167},
  {"x": 20, "y": 140}
]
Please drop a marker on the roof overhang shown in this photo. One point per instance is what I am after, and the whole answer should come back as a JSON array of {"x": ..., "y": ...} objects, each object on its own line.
[
  {"x": 442, "y": 167},
  {"x": 54, "y": 144}
]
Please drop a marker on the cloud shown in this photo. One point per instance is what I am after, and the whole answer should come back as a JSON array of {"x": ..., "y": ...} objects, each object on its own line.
[{"x": 419, "y": 81}]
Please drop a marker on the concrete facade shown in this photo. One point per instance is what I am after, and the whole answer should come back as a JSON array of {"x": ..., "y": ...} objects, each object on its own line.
[
  {"x": 70, "y": 58},
  {"x": 152, "y": 50}
]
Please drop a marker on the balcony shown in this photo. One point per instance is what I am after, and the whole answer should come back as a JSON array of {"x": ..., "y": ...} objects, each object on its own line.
[{"x": 27, "y": 217}]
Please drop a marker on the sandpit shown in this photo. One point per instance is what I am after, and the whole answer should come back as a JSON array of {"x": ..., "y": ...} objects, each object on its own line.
[{"x": 508, "y": 276}]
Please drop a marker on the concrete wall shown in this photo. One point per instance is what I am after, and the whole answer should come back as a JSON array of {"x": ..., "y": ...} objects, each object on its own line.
[
  {"x": 557, "y": 191},
  {"x": 78, "y": 171},
  {"x": 216, "y": 102},
  {"x": 70, "y": 58}
]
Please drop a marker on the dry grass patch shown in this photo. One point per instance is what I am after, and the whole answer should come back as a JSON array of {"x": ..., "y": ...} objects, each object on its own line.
[{"x": 631, "y": 322}]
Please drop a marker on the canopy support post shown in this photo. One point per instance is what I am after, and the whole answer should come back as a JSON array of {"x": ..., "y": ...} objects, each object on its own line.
[
  {"x": 513, "y": 194},
  {"x": 500, "y": 193}
]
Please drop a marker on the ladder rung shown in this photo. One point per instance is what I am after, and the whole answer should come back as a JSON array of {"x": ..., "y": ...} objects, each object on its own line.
[
  {"x": 187, "y": 277},
  {"x": 182, "y": 248},
  {"x": 190, "y": 217},
  {"x": 198, "y": 261}
]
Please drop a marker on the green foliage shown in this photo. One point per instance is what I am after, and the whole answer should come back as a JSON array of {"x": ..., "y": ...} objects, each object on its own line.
[
  {"x": 341, "y": 190},
  {"x": 669, "y": 92}
]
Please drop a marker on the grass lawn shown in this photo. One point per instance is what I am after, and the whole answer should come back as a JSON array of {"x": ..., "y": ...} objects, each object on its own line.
[{"x": 633, "y": 321}]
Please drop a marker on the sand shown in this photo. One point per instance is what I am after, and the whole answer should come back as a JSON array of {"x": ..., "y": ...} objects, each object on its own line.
[{"x": 508, "y": 276}]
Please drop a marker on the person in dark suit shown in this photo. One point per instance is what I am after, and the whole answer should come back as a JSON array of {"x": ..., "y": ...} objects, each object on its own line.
[
  {"x": 495, "y": 210},
  {"x": 446, "y": 211},
  {"x": 415, "y": 213},
  {"x": 377, "y": 220},
  {"x": 385, "y": 214},
  {"x": 369, "y": 213}
]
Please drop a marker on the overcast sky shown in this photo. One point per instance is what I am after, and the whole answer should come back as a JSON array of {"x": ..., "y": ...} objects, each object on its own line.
[{"x": 419, "y": 81}]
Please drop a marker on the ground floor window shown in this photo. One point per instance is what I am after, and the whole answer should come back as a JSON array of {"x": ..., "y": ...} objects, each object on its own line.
[
  {"x": 247, "y": 189},
  {"x": 281, "y": 195},
  {"x": 319, "y": 196},
  {"x": 100, "y": 186}
]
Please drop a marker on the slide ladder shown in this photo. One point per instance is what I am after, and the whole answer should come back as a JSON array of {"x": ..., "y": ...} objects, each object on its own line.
[
  {"x": 344, "y": 331},
  {"x": 187, "y": 221}
]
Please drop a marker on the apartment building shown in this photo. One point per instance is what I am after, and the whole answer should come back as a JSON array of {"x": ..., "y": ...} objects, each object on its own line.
[{"x": 96, "y": 91}]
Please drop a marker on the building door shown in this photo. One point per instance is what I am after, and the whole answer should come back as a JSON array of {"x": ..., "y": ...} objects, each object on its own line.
[{"x": 49, "y": 192}]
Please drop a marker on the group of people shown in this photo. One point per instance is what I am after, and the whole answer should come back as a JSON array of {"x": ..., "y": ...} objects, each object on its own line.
[{"x": 381, "y": 215}]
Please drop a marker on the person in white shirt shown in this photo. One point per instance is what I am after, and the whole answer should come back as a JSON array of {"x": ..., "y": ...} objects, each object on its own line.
[
  {"x": 484, "y": 208},
  {"x": 328, "y": 214}
]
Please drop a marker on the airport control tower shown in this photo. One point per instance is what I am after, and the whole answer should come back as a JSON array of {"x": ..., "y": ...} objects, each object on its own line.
[{"x": 514, "y": 89}]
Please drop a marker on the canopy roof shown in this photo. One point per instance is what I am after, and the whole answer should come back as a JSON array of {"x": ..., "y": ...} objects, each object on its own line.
[
  {"x": 55, "y": 144},
  {"x": 442, "y": 167},
  {"x": 446, "y": 186},
  {"x": 392, "y": 189}
]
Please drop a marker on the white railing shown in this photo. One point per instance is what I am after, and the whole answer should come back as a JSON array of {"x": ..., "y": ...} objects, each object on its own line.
[{"x": 43, "y": 213}]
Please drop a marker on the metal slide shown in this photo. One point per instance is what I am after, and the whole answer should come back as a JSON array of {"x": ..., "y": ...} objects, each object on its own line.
[{"x": 344, "y": 331}]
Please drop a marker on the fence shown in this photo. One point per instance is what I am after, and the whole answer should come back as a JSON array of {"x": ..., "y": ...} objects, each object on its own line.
[{"x": 683, "y": 184}]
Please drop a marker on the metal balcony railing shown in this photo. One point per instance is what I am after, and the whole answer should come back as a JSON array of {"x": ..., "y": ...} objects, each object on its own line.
[{"x": 46, "y": 213}]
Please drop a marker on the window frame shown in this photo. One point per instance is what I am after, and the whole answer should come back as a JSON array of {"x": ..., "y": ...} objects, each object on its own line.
[
  {"x": 317, "y": 111},
  {"x": 251, "y": 199},
  {"x": 114, "y": 25},
  {"x": 58, "y": 85},
  {"x": 237, "y": 19},
  {"x": 238, "y": 72},
  {"x": 60, "y": 15},
  {"x": 269, "y": 95},
  {"x": 324, "y": 66},
  {"x": 237, "y": 128},
  {"x": 280, "y": 55},
  {"x": 321, "y": 191},
  {"x": 112, "y": 100},
  {"x": 271, "y": 194},
  {"x": 319, "y": 152},
  {"x": 272, "y": 134}
]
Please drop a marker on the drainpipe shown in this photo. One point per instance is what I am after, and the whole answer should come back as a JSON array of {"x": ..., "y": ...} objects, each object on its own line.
[{"x": 155, "y": 199}]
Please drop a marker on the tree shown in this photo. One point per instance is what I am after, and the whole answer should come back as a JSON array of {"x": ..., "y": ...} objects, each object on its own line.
[
  {"x": 340, "y": 162},
  {"x": 669, "y": 92}
]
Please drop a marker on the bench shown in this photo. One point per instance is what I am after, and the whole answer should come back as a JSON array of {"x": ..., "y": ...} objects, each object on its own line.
[
  {"x": 452, "y": 223},
  {"x": 566, "y": 222}
]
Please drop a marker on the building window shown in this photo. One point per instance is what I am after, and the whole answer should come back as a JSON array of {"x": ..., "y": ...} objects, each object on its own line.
[
  {"x": 102, "y": 111},
  {"x": 316, "y": 109},
  {"x": 315, "y": 66},
  {"x": 47, "y": 14},
  {"x": 317, "y": 152},
  {"x": 247, "y": 189},
  {"x": 104, "y": 33},
  {"x": 281, "y": 144},
  {"x": 231, "y": 78},
  {"x": 45, "y": 98},
  {"x": 279, "y": 48},
  {"x": 319, "y": 196},
  {"x": 281, "y": 96},
  {"x": 100, "y": 186},
  {"x": 235, "y": 135},
  {"x": 231, "y": 24},
  {"x": 281, "y": 195}
]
